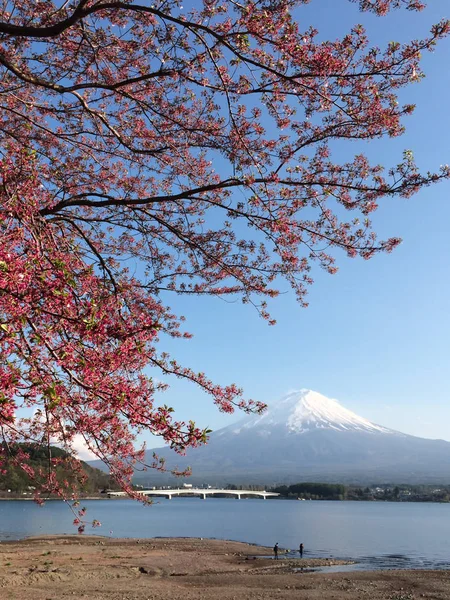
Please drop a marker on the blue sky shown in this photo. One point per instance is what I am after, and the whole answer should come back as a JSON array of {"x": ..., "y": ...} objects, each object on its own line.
[{"x": 376, "y": 336}]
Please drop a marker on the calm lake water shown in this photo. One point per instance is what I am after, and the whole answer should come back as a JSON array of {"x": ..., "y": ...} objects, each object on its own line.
[{"x": 376, "y": 534}]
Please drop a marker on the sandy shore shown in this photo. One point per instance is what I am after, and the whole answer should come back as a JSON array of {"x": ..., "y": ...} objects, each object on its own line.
[{"x": 96, "y": 568}]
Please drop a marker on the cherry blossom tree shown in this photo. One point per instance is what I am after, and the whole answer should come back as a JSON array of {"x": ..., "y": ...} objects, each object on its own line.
[{"x": 148, "y": 149}]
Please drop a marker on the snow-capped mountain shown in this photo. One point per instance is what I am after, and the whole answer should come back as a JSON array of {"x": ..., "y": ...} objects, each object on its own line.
[
  {"x": 302, "y": 411},
  {"x": 305, "y": 436}
]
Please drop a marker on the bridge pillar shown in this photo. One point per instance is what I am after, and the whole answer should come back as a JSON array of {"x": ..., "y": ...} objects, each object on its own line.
[
  {"x": 238, "y": 496},
  {"x": 169, "y": 497},
  {"x": 203, "y": 496}
]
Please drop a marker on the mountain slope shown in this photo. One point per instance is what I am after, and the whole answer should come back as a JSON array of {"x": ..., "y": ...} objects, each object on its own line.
[
  {"x": 16, "y": 480},
  {"x": 304, "y": 437},
  {"x": 302, "y": 411}
]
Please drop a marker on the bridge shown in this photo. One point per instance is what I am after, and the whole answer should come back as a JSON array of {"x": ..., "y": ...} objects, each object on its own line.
[{"x": 198, "y": 492}]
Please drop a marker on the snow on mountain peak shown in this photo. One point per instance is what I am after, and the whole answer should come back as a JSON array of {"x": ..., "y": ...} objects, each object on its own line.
[{"x": 306, "y": 410}]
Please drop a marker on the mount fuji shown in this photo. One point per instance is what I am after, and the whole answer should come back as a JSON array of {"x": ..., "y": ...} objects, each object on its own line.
[
  {"x": 302, "y": 412},
  {"x": 308, "y": 437}
]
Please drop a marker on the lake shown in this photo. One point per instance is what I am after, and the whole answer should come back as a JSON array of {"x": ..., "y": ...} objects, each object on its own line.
[{"x": 376, "y": 534}]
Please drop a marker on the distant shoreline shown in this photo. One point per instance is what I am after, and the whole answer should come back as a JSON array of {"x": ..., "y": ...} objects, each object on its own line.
[
  {"x": 31, "y": 499},
  {"x": 106, "y": 497}
]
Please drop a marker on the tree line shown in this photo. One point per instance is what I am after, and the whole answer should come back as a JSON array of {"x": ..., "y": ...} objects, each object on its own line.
[
  {"x": 313, "y": 491},
  {"x": 385, "y": 492}
]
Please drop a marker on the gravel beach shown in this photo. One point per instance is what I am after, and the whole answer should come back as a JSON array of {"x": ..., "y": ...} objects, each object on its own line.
[{"x": 100, "y": 568}]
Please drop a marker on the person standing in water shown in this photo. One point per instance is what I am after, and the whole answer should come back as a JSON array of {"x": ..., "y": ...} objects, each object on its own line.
[
  {"x": 275, "y": 551},
  {"x": 301, "y": 550}
]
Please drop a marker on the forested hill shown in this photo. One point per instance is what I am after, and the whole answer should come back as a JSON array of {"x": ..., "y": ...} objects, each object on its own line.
[{"x": 16, "y": 481}]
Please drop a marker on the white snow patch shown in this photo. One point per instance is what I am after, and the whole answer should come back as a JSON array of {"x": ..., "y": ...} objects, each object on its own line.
[{"x": 304, "y": 410}]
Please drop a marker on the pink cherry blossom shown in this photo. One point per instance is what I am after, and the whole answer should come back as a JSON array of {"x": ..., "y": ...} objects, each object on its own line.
[{"x": 136, "y": 143}]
